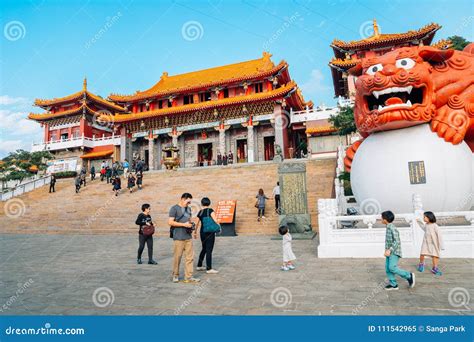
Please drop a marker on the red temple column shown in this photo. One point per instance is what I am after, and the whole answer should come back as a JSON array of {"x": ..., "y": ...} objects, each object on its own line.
[{"x": 46, "y": 132}]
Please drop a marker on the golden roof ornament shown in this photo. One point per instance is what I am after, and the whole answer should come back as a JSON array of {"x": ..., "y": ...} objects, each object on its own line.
[
  {"x": 84, "y": 84},
  {"x": 376, "y": 29}
]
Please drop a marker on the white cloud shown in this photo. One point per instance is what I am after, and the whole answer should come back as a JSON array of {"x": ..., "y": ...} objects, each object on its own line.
[
  {"x": 315, "y": 82},
  {"x": 6, "y": 100},
  {"x": 7, "y": 146},
  {"x": 16, "y": 131}
]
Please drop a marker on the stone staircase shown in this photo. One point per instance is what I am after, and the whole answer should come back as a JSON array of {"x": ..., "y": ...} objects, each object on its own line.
[{"x": 96, "y": 210}]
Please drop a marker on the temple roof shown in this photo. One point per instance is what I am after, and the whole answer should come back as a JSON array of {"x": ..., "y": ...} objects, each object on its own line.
[
  {"x": 82, "y": 109},
  {"x": 319, "y": 126},
  {"x": 378, "y": 39},
  {"x": 288, "y": 89},
  {"x": 83, "y": 93},
  {"x": 238, "y": 72}
]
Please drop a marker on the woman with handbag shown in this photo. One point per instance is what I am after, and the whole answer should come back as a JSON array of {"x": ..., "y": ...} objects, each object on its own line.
[
  {"x": 209, "y": 228},
  {"x": 145, "y": 234}
]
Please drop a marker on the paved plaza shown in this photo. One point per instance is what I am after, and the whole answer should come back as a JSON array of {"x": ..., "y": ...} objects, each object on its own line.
[{"x": 97, "y": 275}]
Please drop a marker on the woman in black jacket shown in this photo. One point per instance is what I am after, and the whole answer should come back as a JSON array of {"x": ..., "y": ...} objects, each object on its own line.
[{"x": 144, "y": 219}]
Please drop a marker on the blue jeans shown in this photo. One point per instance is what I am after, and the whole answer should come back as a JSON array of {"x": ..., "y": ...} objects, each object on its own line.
[{"x": 391, "y": 268}]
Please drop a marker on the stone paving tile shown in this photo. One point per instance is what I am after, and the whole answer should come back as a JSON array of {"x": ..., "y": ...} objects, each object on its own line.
[{"x": 66, "y": 270}]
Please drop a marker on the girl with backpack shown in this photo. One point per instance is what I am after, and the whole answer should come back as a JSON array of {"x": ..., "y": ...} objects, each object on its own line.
[{"x": 209, "y": 227}]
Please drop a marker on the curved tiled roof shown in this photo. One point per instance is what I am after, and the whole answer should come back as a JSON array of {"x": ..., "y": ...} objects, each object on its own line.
[
  {"x": 238, "y": 72},
  {"x": 49, "y": 115},
  {"x": 378, "y": 39},
  {"x": 269, "y": 95},
  {"x": 80, "y": 94}
]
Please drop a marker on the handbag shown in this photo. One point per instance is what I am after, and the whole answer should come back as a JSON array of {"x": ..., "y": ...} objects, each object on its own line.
[
  {"x": 148, "y": 230},
  {"x": 209, "y": 225}
]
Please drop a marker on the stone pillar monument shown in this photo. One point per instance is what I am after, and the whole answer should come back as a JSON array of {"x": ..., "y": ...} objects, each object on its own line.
[
  {"x": 294, "y": 201},
  {"x": 222, "y": 129},
  {"x": 151, "y": 151}
]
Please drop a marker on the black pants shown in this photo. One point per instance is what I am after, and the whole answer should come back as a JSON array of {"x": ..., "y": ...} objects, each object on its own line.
[
  {"x": 92, "y": 176},
  {"x": 207, "y": 240},
  {"x": 51, "y": 187},
  {"x": 141, "y": 245},
  {"x": 78, "y": 187},
  {"x": 261, "y": 212},
  {"x": 277, "y": 202}
]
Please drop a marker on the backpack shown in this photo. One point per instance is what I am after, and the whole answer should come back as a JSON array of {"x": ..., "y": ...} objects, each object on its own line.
[{"x": 209, "y": 225}]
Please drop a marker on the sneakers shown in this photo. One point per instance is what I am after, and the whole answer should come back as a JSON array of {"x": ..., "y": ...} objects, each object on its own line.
[
  {"x": 139, "y": 261},
  {"x": 421, "y": 267},
  {"x": 411, "y": 280},
  {"x": 390, "y": 287},
  {"x": 152, "y": 262},
  {"x": 200, "y": 268},
  {"x": 191, "y": 280},
  {"x": 212, "y": 271},
  {"x": 436, "y": 271},
  {"x": 291, "y": 267},
  {"x": 284, "y": 268},
  {"x": 263, "y": 217},
  {"x": 175, "y": 279}
]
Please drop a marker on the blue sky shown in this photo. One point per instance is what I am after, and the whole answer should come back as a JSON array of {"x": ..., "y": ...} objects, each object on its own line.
[{"x": 47, "y": 47}]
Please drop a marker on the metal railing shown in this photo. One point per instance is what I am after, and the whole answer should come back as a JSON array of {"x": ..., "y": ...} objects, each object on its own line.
[{"x": 25, "y": 187}]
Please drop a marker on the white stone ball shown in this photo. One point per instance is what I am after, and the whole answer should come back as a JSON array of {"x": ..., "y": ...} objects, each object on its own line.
[{"x": 380, "y": 176}]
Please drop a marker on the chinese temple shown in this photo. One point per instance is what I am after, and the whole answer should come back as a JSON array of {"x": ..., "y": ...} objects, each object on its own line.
[
  {"x": 72, "y": 128},
  {"x": 240, "y": 110},
  {"x": 346, "y": 54}
]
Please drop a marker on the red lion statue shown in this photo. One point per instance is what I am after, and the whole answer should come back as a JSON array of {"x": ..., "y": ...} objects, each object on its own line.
[{"x": 413, "y": 85}]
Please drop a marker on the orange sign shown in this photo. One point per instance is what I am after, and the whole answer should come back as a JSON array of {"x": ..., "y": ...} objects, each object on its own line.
[{"x": 225, "y": 211}]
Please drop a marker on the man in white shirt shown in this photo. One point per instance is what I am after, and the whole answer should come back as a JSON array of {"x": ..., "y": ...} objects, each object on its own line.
[{"x": 276, "y": 195}]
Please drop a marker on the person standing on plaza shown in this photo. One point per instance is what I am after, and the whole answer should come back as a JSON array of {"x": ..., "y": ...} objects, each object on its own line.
[
  {"x": 260, "y": 204},
  {"x": 276, "y": 196},
  {"x": 77, "y": 182},
  {"x": 144, "y": 223},
  {"x": 139, "y": 179},
  {"x": 219, "y": 158},
  {"x": 288, "y": 255},
  {"x": 131, "y": 182},
  {"x": 52, "y": 183},
  {"x": 139, "y": 166},
  {"x": 230, "y": 158},
  {"x": 108, "y": 174},
  {"x": 393, "y": 253},
  {"x": 102, "y": 174},
  {"x": 117, "y": 185},
  {"x": 83, "y": 175},
  {"x": 224, "y": 159},
  {"x": 126, "y": 167},
  {"x": 92, "y": 172},
  {"x": 432, "y": 243},
  {"x": 208, "y": 238},
  {"x": 181, "y": 229}
]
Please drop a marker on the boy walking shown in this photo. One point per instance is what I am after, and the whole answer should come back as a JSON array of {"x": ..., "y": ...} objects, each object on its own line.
[{"x": 393, "y": 252}]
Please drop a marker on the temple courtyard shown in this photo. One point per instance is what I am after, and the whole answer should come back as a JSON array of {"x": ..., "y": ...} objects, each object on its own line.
[{"x": 44, "y": 274}]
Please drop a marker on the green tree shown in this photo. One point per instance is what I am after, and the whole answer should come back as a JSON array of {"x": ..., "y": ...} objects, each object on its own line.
[
  {"x": 459, "y": 43},
  {"x": 344, "y": 121},
  {"x": 18, "y": 165}
]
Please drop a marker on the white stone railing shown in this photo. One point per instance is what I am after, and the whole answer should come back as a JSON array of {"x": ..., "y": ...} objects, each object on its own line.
[
  {"x": 25, "y": 187},
  {"x": 363, "y": 240},
  {"x": 317, "y": 113},
  {"x": 76, "y": 142}
]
